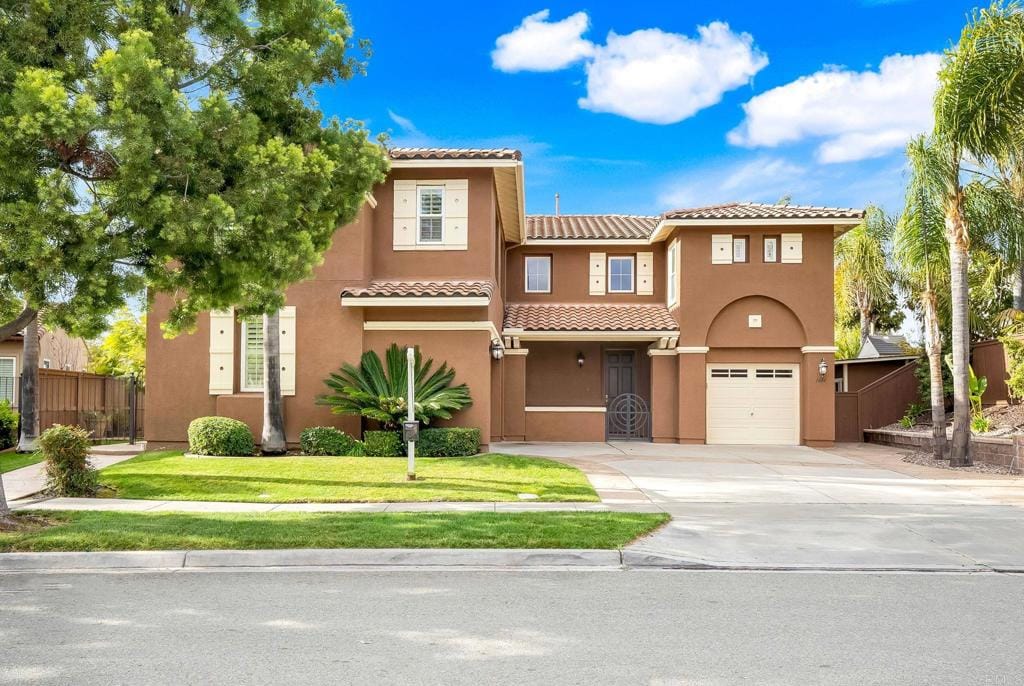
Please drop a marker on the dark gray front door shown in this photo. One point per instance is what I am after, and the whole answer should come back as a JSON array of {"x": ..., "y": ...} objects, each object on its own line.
[{"x": 627, "y": 416}]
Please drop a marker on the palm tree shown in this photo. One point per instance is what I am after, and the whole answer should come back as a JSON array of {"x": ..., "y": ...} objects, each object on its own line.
[
  {"x": 273, "y": 439},
  {"x": 862, "y": 275},
  {"x": 979, "y": 110},
  {"x": 28, "y": 401},
  {"x": 922, "y": 263}
]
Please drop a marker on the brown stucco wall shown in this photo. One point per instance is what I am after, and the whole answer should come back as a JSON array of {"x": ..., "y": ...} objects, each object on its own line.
[
  {"x": 565, "y": 426},
  {"x": 664, "y": 398},
  {"x": 554, "y": 379},
  {"x": 863, "y": 373},
  {"x": 570, "y": 274}
]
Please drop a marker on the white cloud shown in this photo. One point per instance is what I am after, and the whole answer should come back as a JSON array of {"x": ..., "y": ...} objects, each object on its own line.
[
  {"x": 662, "y": 78},
  {"x": 404, "y": 123},
  {"x": 762, "y": 179},
  {"x": 859, "y": 114},
  {"x": 539, "y": 45}
]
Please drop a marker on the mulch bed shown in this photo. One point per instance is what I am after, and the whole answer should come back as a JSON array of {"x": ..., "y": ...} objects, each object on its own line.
[
  {"x": 1006, "y": 421},
  {"x": 926, "y": 460}
]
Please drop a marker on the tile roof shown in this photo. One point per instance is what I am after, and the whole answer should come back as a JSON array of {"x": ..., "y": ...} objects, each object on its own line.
[
  {"x": 589, "y": 317},
  {"x": 589, "y": 226},
  {"x": 455, "y": 154},
  {"x": 754, "y": 210},
  {"x": 422, "y": 289},
  {"x": 883, "y": 346}
]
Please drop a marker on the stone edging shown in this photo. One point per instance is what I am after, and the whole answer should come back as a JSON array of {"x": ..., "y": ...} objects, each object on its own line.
[{"x": 987, "y": 449}]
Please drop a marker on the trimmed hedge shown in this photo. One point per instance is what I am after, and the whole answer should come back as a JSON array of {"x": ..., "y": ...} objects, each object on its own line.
[
  {"x": 8, "y": 425},
  {"x": 220, "y": 436},
  {"x": 327, "y": 440},
  {"x": 383, "y": 443},
  {"x": 68, "y": 472},
  {"x": 448, "y": 442}
]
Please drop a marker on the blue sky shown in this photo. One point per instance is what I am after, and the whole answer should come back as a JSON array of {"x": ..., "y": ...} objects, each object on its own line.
[{"x": 641, "y": 107}]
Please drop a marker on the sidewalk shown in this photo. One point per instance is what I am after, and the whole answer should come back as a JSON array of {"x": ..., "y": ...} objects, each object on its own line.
[{"x": 27, "y": 481}]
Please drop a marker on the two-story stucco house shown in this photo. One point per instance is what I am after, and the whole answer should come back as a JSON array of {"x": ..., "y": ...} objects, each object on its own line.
[{"x": 699, "y": 325}]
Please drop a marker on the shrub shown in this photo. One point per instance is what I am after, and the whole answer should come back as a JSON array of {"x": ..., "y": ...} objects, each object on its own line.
[
  {"x": 8, "y": 425},
  {"x": 66, "y": 451},
  {"x": 449, "y": 442},
  {"x": 326, "y": 440},
  {"x": 980, "y": 424},
  {"x": 221, "y": 436},
  {"x": 1015, "y": 355},
  {"x": 383, "y": 443}
]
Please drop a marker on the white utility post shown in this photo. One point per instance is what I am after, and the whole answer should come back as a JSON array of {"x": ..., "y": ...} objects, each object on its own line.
[{"x": 410, "y": 357}]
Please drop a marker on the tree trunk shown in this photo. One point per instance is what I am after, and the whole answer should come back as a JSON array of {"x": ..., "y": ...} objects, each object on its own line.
[
  {"x": 933, "y": 346},
  {"x": 5, "y": 509},
  {"x": 273, "y": 441},
  {"x": 12, "y": 327},
  {"x": 1018, "y": 287},
  {"x": 27, "y": 403},
  {"x": 959, "y": 260},
  {"x": 865, "y": 325}
]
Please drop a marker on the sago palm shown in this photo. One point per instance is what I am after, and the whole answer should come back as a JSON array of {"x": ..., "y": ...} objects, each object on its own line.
[
  {"x": 378, "y": 391},
  {"x": 979, "y": 110}
]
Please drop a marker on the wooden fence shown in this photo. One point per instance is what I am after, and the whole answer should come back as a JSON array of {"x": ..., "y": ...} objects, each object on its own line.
[{"x": 879, "y": 403}]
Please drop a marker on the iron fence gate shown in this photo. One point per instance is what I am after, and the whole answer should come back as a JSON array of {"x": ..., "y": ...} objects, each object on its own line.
[{"x": 628, "y": 418}]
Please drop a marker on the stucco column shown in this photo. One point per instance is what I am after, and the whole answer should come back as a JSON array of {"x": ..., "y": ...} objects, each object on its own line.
[
  {"x": 664, "y": 395},
  {"x": 818, "y": 397},
  {"x": 513, "y": 369},
  {"x": 692, "y": 394}
]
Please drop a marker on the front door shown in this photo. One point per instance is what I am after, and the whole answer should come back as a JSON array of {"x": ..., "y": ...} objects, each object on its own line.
[{"x": 627, "y": 416}]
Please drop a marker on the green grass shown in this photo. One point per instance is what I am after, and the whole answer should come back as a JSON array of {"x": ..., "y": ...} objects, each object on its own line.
[
  {"x": 9, "y": 461},
  {"x": 92, "y": 530},
  {"x": 167, "y": 475}
]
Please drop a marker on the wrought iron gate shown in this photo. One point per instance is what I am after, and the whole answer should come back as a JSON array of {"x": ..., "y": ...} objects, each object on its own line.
[{"x": 628, "y": 418}]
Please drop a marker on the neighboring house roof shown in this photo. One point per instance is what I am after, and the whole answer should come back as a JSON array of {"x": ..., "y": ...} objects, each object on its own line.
[
  {"x": 878, "y": 360},
  {"x": 589, "y": 226},
  {"x": 588, "y": 317},
  {"x": 883, "y": 346},
  {"x": 754, "y": 210},
  {"x": 453, "y": 288},
  {"x": 455, "y": 154}
]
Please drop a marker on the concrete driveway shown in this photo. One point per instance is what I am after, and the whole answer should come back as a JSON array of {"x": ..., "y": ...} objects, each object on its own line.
[{"x": 850, "y": 507}]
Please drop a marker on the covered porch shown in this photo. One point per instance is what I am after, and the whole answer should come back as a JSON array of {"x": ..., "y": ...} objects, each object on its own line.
[{"x": 588, "y": 373}]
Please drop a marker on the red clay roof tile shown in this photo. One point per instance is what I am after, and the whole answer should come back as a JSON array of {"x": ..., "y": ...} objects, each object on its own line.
[
  {"x": 589, "y": 226},
  {"x": 589, "y": 317},
  {"x": 754, "y": 210},
  {"x": 422, "y": 289}
]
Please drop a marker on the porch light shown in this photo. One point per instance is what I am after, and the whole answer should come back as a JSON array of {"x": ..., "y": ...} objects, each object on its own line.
[
  {"x": 580, "y": 359},
  {"x": 822, "y": 369},
  {"x": 497, "y": 352}
]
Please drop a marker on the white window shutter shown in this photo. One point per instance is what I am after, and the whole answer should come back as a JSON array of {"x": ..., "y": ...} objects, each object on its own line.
[
  {"x": 597, "y": 273},
  {"x": 288, "y": 359},
  {"x": 456, "y": 214},
  {"x": 793, "y": 248},
  {"x": 222, "y": 352},
  {"x": 405, "y": 214},
  {"x": 721, "y": 249},
  {"x": 645, "y": 273}
]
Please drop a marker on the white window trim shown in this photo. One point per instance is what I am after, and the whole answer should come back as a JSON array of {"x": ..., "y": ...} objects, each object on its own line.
[
  {"x": 632, "y": 273},
  {"x": 419, "y": 213},
  {"x": 526, "y": 273},
  {"x": 243, "y": 387},
  {"x": 672, "y": 288},
  {"x": 14, "y": 385}
]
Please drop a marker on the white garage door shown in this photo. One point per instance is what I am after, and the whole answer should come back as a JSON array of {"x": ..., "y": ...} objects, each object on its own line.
[{"x": 753, "y": 404}]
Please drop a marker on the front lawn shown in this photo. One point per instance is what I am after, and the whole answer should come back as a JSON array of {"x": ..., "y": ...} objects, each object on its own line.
[
  {"x": 92, "y": 530},
  {"x": 9, "y": 461},
  {"x": 168, "y": 475}
]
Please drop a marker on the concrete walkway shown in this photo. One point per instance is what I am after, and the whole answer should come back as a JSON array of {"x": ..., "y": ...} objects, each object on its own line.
[
  {"x": 850, "y": 507},
  {"x": 28, "y": 481}
]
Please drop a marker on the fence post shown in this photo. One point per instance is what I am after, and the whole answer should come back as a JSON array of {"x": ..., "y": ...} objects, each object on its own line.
[{"x": 132, "y": 388}]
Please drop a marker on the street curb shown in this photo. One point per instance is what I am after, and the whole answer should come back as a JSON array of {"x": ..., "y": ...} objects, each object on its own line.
[{"x": 339, "y": 557}]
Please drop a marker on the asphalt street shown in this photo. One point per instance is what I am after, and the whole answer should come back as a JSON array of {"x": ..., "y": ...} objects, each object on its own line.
[{"x": 505, "y": 627}]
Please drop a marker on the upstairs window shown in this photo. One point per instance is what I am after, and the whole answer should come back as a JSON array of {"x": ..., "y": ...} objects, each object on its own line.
[
  {"x": 739, "y": 248},
  {"x": 620, "y": 274},
  {"x": 252, "y": 358},
  {"x": 673, "y": 273},
  {"x": 7, "y": 379},
  {"x": 430, "y": 214},
  {"x": 538, "y": 274},
  {"x": 771, "y": 249}
]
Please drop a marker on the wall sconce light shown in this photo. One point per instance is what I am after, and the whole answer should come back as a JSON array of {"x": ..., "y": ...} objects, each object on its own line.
[
  {"x": 580, "y": 359},
  {"x": 497, "y": 352},
  {"x": 822, "y": 369}
]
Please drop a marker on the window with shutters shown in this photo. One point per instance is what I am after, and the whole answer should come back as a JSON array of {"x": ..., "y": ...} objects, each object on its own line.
[
  {"x": 620, "y": 274},
  {"x": 430, "y": 214},
  {"x": 538, "y": 273},
  {"x": 673, "y": 274},
  {"x": 7, "y": 379},
  {"x": 252, "y": 354}
]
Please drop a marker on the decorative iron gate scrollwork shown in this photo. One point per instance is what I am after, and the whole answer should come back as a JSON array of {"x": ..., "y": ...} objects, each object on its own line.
[{"x": 628, "y": 418}]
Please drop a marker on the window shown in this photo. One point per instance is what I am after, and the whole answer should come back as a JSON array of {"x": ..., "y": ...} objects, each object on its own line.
[
  {"x": 673, "y": 275},
  {"x": 46, "y": 363},
  {"x": 430, "y": 214},
  {"x": 7, "y": 379},
  {"x": 538, "y": 274},
  {"x": 739, "y": 248},
  {"x": 252, "y": 357},
  {"x": 620, "y": 274},
  {"x": 771, "y": 248},
  {"x": 728, "y": 373}
]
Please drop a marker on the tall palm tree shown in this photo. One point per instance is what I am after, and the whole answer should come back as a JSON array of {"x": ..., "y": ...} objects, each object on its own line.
[
  {"x": 862, "y": 273},
  {"x": 28, "y": 401},
  {"x": 273, "y": 439},
  {"x": 979, "y": 110},
  {"x": 921, "y": 258}
]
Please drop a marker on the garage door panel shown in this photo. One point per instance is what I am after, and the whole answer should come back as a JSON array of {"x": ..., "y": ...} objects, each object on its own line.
[{"x": 753, "y": 403}]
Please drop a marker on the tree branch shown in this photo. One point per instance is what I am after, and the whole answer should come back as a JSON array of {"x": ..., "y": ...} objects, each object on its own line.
[{"x": 17, "y": 324}]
